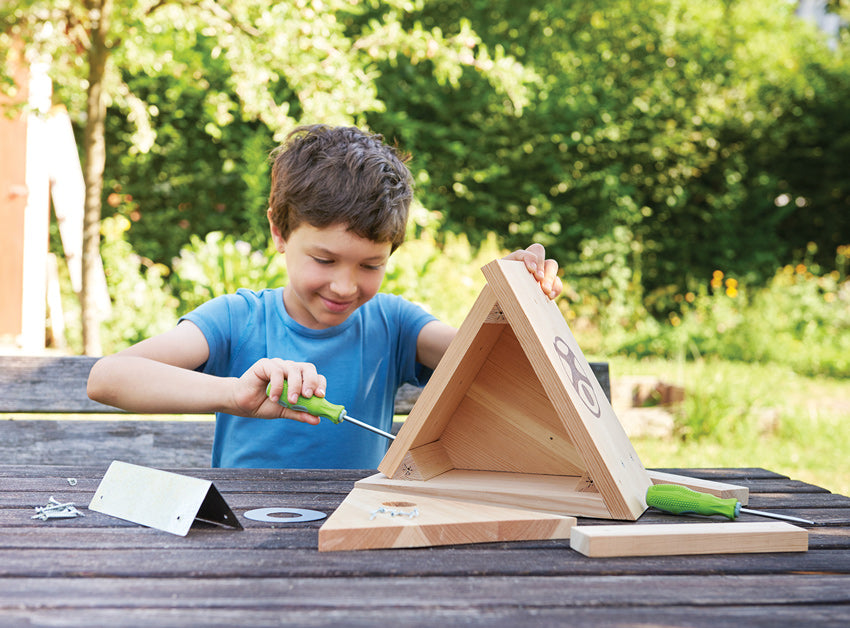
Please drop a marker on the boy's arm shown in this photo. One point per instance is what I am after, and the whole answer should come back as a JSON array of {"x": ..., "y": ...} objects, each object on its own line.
[
  {"x": 434, "y": 338},
  {"x": 157, "y": 376}
]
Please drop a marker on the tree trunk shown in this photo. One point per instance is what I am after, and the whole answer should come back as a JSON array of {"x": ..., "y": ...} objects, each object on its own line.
[{"x": 94, "y": 145}]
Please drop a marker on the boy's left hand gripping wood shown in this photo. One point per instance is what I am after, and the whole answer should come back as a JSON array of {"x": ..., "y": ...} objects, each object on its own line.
[{"x": 513, "y": 403}]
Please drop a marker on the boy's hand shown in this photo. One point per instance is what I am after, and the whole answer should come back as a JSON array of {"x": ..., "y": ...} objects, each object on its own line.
[
  {"x": 249, "y": 391},
  {"x": 545, "y": 271}
]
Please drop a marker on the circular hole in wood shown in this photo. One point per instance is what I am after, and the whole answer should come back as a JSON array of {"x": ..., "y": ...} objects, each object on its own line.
[{"x": 399, "y": 504}]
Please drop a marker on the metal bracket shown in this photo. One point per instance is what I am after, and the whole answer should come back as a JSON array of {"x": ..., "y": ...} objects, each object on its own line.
[{"x": 160, "y": 499}]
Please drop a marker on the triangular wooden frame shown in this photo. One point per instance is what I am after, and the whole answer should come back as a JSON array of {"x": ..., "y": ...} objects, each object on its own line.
[
  {"x": 511, "y": 418},
  {"x": 515, "y": 394}
]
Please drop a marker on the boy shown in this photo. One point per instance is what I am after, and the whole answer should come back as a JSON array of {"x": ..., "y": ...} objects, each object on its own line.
[{"x": 337, "y": 210}]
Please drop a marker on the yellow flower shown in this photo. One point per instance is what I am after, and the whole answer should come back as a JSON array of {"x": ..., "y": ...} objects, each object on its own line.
[
  {"x": 731, "y": 291},
  {"x": 801, "y": 269},
  {"x": 690, "y": 297},
  {"x": 731, "y": 283},
  {"x": 717, "y": 279}
]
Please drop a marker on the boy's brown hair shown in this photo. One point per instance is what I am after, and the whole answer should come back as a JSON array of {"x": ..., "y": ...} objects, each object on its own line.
[{"x": 325, "y": 175}]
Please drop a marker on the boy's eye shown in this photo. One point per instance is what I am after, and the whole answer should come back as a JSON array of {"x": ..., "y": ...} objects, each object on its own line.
[
  {"x": 373, "y": 266},
  {"x": 321, "y": 260}
]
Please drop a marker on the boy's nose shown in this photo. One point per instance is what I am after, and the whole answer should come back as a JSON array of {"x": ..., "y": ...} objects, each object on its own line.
[{"x": 344, "y": 284}]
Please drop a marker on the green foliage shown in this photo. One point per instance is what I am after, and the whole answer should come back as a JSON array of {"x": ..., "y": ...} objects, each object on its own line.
[
  {"x": 657, "y": 144},
  {"x": 220, "y": 264},
  {"x": 207, "y": 169},
  {"x": 750, "y": 414},
  {"x": 801, "y": 320},
  {"x": 141, "y": 304},
  {"x": 444, "y": 277}
]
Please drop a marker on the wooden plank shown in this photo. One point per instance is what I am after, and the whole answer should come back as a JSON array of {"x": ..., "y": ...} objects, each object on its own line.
[
  {"x": 493, "y": 616},
  {"x": 541, "y": 558},
  {"x": 689, "y": 538},
  {"x": 554, "y": 494},
  {"x": 152, "y": 443},
  {"x": 54, "y": 384},
  {"x": 719, "y": 489},
  {"x": 371, "y": 519},
  {"x": 284, "y": 593},
  {"x": 725, "y": 474}
]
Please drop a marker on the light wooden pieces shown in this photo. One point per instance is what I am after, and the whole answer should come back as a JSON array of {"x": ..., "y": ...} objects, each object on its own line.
[
  {"x": 688, "y": 538},
  {"x": 553, "y": 494},
  {"x": 370, "y": 519},
  {"x": 515, "y": 395},
  {"x": 718, "y": 489}
]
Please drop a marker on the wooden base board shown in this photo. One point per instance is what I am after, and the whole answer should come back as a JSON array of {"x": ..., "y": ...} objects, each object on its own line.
[
  {"x": 373, "y": 519},
  {"x": 553, "y": 494},
  {"x": 688, "y": 538}
]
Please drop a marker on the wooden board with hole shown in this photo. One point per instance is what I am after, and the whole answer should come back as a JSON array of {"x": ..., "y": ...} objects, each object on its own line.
[{"x": 370, "y": 519}]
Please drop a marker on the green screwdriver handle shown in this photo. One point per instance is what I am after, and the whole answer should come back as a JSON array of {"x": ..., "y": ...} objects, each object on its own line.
[
  {"x": 317, "y": 406},
  {"x": 680, "y": 500}
]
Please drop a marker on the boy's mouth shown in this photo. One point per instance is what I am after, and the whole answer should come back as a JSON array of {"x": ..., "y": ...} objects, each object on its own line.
[{"x": 336, "y": 307}]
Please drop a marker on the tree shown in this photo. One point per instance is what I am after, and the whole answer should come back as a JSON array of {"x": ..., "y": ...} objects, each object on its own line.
[
  {"x": 657, "y": 145},
  {"x": 288, "y": 62}
]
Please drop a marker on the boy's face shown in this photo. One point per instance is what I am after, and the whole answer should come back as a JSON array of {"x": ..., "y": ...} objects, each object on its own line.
[{"x": 331, "y": 271}]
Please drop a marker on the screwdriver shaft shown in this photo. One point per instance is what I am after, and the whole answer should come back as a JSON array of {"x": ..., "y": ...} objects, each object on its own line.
[
  {"x": 775, "y": 516},
  {"x": 371, "y": 428}
]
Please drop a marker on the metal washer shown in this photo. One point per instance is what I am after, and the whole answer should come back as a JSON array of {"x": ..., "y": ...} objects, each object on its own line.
[{"x": 267, "y": 514}]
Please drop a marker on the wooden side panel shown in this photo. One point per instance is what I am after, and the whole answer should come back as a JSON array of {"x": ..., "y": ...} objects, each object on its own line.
[
  {"x": 448, "y": 384},
  {"x": 417, "y": 521},
  {"x": 688, "y": 538},
  {"x": 560, "y": 495},
  {"x": 507, "y": 423},
  {"x": 719, "y": 489},
  {"x": 577, "y": 397}
]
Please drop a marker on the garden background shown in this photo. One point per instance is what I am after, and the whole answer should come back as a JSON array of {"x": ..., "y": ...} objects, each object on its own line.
[{"x": 685, "y": 162}]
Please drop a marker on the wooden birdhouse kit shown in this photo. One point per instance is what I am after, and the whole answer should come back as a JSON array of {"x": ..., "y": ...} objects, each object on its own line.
[{"x": 511, "y": 439}]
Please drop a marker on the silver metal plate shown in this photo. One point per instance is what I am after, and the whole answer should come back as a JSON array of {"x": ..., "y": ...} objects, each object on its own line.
[{"x": 160, "y": 499}]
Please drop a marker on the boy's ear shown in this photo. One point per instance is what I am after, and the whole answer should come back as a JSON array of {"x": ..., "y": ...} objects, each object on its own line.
[{"x": 277, "y": 236}]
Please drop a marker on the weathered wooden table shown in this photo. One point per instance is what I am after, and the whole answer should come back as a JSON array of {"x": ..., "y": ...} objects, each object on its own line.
[{"x": 97, "y": 570}]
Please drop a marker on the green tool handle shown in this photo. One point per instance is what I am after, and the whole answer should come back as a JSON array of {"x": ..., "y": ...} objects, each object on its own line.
[
  {"x": 680, "y": 500},
  {"x": 317, "y": 406}
]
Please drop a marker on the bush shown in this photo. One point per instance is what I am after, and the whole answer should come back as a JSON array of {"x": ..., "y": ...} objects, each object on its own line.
[
  {"x": 141, "y": 303},
  {"x": 219, "y": 264},
  {"x": 801, "y": 319}
]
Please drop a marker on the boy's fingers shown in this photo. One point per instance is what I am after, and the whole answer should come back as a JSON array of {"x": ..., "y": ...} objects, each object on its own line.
[
  {"x": 294, "y": 384},
  {"x": 550, "y": 274}
]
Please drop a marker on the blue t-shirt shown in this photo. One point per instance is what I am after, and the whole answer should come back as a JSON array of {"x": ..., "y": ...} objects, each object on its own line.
[{"x": 365, "y": 359}]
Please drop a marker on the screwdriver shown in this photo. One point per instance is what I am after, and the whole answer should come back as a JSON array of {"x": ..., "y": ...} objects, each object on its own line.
[
  {"x": 321, "y": 407},
  {"x": 681, "y": 500}
]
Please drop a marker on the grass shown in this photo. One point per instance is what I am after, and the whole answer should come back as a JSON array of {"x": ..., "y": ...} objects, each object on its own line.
[{"x": 751, "y": 415}]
